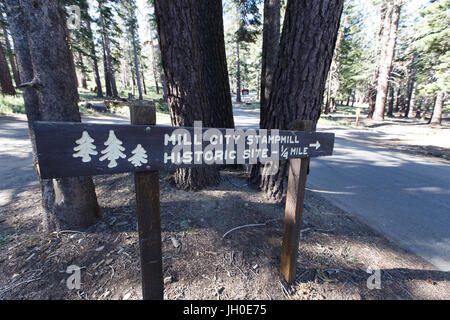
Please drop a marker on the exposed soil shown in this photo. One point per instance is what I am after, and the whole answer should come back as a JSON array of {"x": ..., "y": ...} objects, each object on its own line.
[{"x": 199, "y": 263}]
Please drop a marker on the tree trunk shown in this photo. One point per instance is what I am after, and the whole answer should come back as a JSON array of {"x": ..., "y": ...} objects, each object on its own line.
[
  {"x": 389, "y": 41},
  {"x": 5, "y": 76},
  {"x": 69, "y": 203},
  {"x": 411, "y": 99},
  {"x": 143, "y": 82},
  {"x": 372, "y": 94},
  {"x": 180, "y": 43},
  {"x": 214, "y": 64},
  {"x": 419, "y": 108},
  {"x": 391, "y": 100},
  {"x": 136, "y": 64},
  {"x": 98, "y": 82},
  {"x": 164, "y": 86},
  {"x": 304, "y": 63},
  {"x": 238, "y": 73},
  {"x": 83, "y": 73},
  {"x": 11, "y": 57},
  {"x": 106, "y": 72},
  {"x": 110, "y": 79},
  {"x": 271, "y": 39},
  {"x": 397, "y": 101},
  {"x": 437, "y": 112}
]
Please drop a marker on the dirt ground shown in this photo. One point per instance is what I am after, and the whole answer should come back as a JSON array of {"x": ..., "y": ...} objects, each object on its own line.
[{"x": 199, "y": 262}]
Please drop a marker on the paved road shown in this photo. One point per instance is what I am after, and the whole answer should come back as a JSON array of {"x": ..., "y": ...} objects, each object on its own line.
[{"x": 404, "y": 197}]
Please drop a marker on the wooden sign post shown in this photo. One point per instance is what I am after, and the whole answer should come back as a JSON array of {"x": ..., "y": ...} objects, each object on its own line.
[
  {"x": 298, "y": 171},
  {"x": 68, "y": 149},
  {"x": 148, "y": 215}
]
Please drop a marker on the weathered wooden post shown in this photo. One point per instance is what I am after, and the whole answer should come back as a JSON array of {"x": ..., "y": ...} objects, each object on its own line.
[
  {"x": 148, "y": 212},
  {"x": 298, "y": 170}
]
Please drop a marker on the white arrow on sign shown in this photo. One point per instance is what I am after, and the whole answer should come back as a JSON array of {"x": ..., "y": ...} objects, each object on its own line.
[{"x": 317, "y": 145}]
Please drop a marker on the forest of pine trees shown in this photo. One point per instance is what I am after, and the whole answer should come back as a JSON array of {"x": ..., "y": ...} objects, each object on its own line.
[{"x": 302, "y": 58}]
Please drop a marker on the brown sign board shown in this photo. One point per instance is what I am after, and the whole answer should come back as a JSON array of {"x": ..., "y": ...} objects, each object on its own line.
[{"x": 67, "y": 149}]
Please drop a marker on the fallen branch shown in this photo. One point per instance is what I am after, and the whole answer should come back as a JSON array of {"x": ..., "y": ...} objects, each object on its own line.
[{"x": 248, "y": 226}]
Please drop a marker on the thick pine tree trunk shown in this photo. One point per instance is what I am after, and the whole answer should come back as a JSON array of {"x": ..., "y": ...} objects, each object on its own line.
[
  {"x": 6, "y": 83},
  {"x": 302, "y": 62},
  {"x": 271, "y": 39},
  {"x": 180, "y": 43},
  {"x": 389, "y": 41},
  {"x": 68, "y": 202},
  {"x": 436, "y": 119},
  {"x": 215, "y": 71}
]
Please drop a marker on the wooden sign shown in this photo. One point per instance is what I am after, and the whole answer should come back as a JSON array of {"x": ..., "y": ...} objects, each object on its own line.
[{"x": 67, "y": 149}]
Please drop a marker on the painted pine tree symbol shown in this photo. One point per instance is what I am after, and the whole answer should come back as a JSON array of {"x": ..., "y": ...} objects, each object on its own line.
[
  {"x": 85, "y": 148},
  {"x": 113, "y": 150},
  {"x": 139, "y": 156}
]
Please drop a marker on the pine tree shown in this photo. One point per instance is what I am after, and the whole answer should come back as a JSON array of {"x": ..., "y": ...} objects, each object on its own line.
[
  {"x": 387, "y": 56},
  {"x": 433, "y": 46},
  {"x": 68, "y": 203},
  {"x": 85, "y": 148},
  {"x": 113, "y": 151},
  {"x": 300, "y": 61},
  {"x": 139, "y": 156}
]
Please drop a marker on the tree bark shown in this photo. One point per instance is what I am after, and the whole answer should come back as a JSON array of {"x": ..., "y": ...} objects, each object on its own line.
[
  {"x": 180, "y": 43},
  {"x": 5, "y": 76},
  {"x": 301, "y": 73},
  {"x": 389, "y": 41},
  {"x": 68, "y": 202},
  {"x": 271, "y": 40},
  {"x": 436, "y": 119},
  {"x": 214, "y": 64}
]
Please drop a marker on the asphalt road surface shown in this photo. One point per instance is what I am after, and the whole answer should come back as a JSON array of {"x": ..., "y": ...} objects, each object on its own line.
[{"x": 402, "y": 196}]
